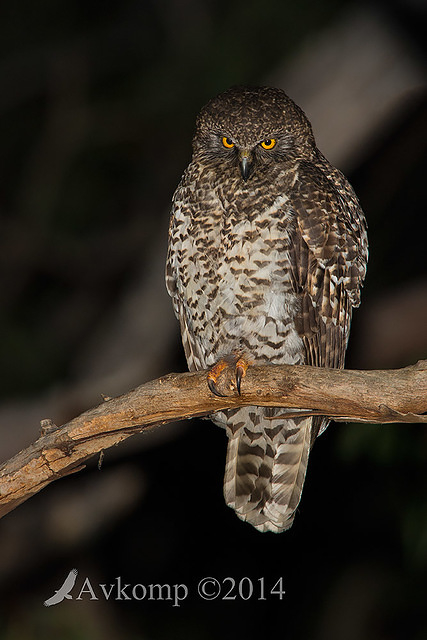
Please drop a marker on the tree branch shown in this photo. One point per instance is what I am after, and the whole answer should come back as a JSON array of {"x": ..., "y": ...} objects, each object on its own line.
[{"x": 398, "y": 395}]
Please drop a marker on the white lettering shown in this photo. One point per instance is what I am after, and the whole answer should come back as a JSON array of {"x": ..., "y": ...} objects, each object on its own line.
[{"x": 87, "y": 588}]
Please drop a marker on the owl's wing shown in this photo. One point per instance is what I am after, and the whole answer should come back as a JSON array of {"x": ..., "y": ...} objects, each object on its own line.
[
  {"x": 192, "y": 348},
  {"x": 329, "y": 255}
]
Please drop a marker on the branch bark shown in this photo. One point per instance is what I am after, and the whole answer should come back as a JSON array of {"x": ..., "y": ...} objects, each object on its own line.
[{"x": 398, "y": 395}]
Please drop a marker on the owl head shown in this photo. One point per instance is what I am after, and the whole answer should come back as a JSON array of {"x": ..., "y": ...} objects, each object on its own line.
[{"x": 253, "y": 128}]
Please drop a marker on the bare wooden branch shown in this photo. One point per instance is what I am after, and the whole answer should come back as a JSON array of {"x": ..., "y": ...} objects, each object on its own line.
[{"x": 398, "y": 395}]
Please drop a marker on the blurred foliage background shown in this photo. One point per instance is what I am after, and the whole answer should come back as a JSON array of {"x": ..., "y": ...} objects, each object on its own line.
[{"x": 97, "y": 108}]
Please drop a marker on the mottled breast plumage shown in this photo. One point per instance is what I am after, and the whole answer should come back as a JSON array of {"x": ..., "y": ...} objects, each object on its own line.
[{"x": 267, "y": 255}]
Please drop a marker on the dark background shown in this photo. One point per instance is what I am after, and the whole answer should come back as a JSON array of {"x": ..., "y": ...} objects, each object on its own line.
[{"x": 97, "y": 107}]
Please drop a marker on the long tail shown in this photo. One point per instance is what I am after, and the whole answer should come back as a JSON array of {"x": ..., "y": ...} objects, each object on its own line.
[{"x": 266, "y": 464}]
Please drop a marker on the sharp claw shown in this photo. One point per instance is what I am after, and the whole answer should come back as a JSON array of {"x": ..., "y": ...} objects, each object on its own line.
[
  {"x": 239, "y": 375},
  {"x": 212, "y": 386}
]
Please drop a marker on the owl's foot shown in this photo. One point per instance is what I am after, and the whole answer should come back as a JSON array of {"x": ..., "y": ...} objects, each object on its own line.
[{"x": 235, "y": 366}]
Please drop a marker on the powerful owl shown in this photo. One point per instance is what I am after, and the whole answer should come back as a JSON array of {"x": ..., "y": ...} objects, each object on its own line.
[{"x": 267, "y": 256}]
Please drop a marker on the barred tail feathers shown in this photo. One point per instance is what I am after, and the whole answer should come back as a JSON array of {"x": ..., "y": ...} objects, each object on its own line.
[{"x": 265, "y": 468}]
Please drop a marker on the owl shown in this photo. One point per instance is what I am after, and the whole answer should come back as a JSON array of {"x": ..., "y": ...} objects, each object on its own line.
[{"x": 266, "y": 259}]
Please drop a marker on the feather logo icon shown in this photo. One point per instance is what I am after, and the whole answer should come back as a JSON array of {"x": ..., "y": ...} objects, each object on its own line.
[{"x": 64, "y": 591}]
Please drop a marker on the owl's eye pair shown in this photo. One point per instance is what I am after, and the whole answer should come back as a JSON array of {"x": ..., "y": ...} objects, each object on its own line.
[{"x": 268, "y": 144}]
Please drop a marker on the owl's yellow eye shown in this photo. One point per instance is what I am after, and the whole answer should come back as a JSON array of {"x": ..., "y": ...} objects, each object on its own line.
[
  {"x": 269, "y": 143},
  {"x": 227, "y": 142}
]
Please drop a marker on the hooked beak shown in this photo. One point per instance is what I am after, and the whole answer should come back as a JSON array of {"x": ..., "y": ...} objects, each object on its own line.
[{"x": 245, "y": 160}]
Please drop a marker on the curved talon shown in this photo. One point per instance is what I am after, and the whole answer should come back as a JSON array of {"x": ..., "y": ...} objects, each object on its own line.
[
  {"x": 241, "y": 366},
  {"x": 213, "y": 375},
  {"x": 212, "y": 386},
  {"x": 240, "y": 372}
]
